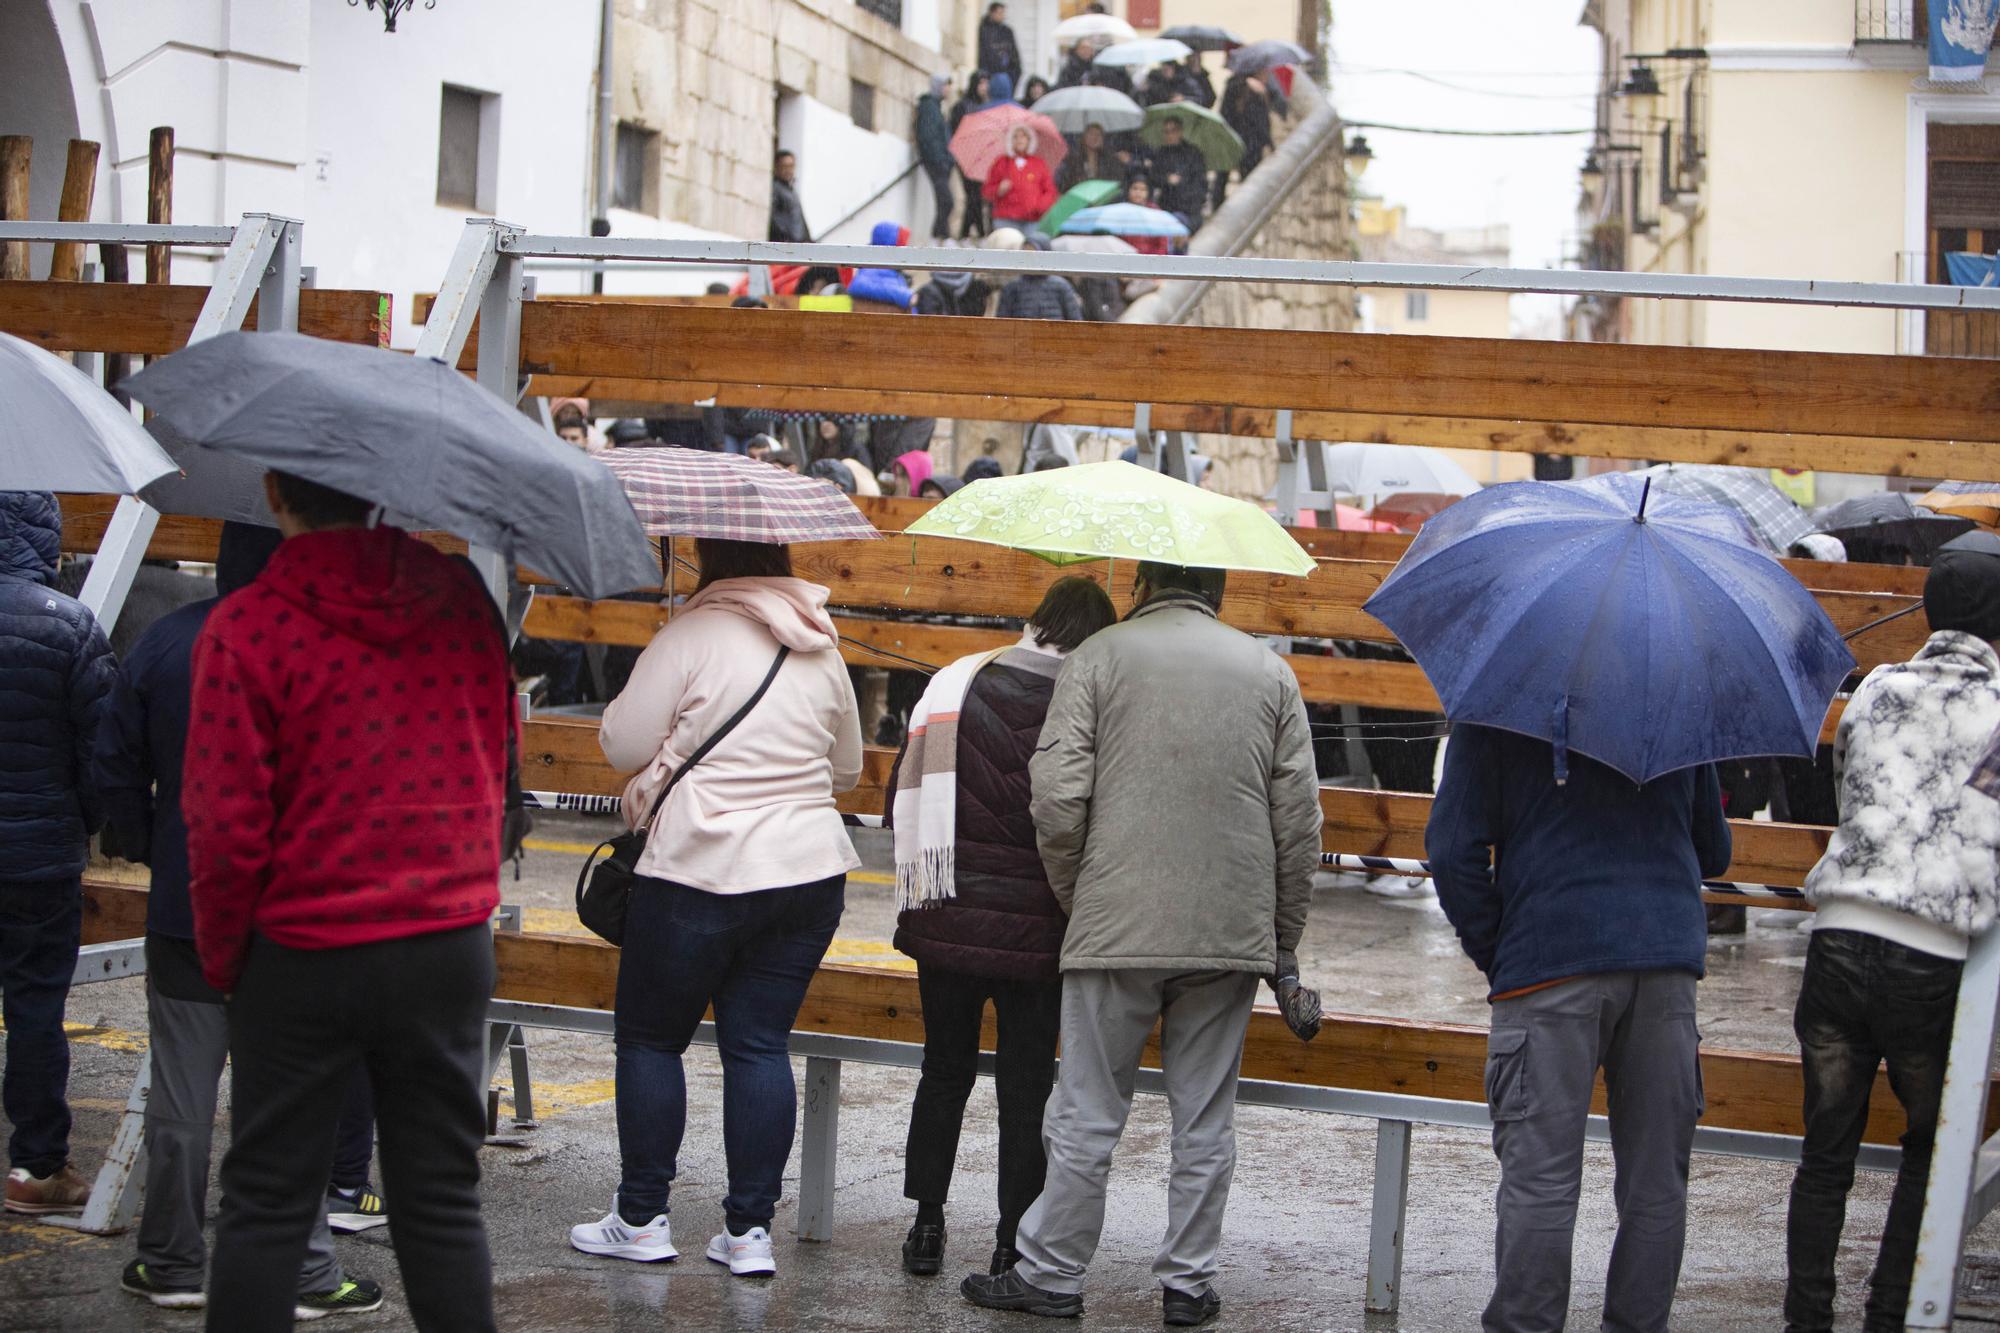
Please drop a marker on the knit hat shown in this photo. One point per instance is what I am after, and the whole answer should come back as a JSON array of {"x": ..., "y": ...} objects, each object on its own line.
[
  {"x": 1962, "y": 591},
  {"x": 1006, "y": 238}
]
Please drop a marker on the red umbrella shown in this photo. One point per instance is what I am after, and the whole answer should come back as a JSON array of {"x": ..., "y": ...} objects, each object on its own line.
[
  {"x": 984, "y": 137},
  {"x": 1410, "y": 510}
]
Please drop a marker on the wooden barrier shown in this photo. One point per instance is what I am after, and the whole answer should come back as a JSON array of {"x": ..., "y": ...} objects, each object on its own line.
[
  {"x": 1747, "y": 1090},
  {"x": 153, "y": 320}
]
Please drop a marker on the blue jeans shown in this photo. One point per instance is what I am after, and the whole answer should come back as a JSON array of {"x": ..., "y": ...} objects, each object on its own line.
[
  {"x": 752, "y": 956},
  {"x": 41, "y": 926}
]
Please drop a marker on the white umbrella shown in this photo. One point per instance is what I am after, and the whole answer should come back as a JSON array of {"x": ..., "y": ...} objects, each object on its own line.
[
  {"x": 1076, "y": 109},
  {"x": 1372, "y": 471},
  {"x": 1155, "y": 51},
  {"x": 1102, "y": 29},
  {"x": 60, "y": 432},
  {"x": 1093, "y": 245}
]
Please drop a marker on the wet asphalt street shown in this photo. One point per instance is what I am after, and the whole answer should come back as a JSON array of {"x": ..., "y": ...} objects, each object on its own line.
[{"x": 1295, "y": 1248}]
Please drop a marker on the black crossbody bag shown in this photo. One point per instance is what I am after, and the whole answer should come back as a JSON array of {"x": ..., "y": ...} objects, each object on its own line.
[{"x": 604, "y": 888}]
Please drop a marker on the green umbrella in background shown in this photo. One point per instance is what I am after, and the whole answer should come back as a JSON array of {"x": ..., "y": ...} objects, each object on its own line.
[
  {"x": 1116, "y": 511},
  {"x": 1219, "y": 146},
  {"x": 1084, "y": 194}
]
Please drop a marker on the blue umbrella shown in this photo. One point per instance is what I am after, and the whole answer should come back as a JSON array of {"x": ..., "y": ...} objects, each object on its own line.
[
  {"x": 1643, "y": 630},
  {"x": 1123, "y": 220}
]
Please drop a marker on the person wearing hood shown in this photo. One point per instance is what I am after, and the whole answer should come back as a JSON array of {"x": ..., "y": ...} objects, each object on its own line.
[
  {"x": 953, "y": 294},
  {"x": 978, "y": 90},
  {"x": 344, "y": 788},
  {"x": 998, "y": 52},
  {"x": 940, "y": 486},
  {"x": 139, "y": 754},
  {"x": 884, "y": 285},
  {"x": 1907, "y": 881},
  {"x": 983, "y": 468},
  {"x": 909, "y": 472},
  {"x": 1000, "y": 92},
  {"x": 1247, "y": 108},
  {"x": 741, "y": 883},
  {"x": 1020, "y": 186},
  {"x": 57, "y": 668},
  {"x": 835, "y": 471},
  {"x": 976, "y": 911},
  {"x": 1039, "y": 295},
  {"x": 933, "y": 138}
]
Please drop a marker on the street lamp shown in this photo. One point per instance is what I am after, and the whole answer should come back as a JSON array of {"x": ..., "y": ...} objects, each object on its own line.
[
  {"x": 1640, "y": 81},
  {"x": 1359, "y": 154},
  {"x": 390, "y": 9},
  {"x": 1592, "y": 177}
]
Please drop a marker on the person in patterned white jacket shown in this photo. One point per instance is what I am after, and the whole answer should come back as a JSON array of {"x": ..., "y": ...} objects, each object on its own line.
[{"x": 1907, "y": 879}]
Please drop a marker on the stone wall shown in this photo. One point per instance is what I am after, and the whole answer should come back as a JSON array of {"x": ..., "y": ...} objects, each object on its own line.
[{"x": 706, "y": 75}]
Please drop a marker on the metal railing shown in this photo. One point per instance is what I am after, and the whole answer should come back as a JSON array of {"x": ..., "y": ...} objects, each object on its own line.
[{"x": 1889, "y": 21}]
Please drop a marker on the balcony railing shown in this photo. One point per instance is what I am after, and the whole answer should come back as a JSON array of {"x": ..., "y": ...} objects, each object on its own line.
[{"x": 1890, "y": 21}]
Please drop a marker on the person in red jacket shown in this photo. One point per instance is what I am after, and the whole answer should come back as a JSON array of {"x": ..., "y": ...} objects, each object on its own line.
[
  {"x": 344, "y": 790},
  {"x": 1019, "y": 185}
]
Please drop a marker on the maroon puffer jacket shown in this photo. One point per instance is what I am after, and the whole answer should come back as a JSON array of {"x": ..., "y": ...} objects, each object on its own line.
[{"x": 1004, "y": 923}]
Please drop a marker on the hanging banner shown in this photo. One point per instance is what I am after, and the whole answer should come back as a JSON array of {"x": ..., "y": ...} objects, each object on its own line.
[{"x": 1961, "y": 32}]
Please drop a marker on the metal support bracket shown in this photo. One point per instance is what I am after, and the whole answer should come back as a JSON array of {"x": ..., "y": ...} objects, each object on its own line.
[
  {"x": 819, "y": 1148},
  {"x": 1385, "y": 1222}
]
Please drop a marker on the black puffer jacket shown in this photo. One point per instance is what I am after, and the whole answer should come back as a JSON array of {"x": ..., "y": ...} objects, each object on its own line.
[
  {"x": 1004, "y": 922},
  {"x": 1039, "y": 296},
  {"x": 55, "y": 674}
]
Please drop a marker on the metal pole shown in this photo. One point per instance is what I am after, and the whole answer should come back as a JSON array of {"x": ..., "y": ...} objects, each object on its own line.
[
  {"x": 819, "y": 1148},
  {"x": 600, "y": 213}
]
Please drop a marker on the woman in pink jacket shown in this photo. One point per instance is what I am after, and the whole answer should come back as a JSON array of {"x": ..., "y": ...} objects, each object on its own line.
[
  {"x": 743, "y": 882},
  {"x": 1019, "y": 186}
]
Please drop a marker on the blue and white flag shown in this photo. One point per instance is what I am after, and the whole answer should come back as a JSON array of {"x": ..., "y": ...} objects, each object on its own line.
[{"x": 1961, "y": 32}]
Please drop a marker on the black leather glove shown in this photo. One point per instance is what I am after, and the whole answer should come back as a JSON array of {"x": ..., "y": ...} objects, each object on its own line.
[{"x": 1298, "y": 1003}]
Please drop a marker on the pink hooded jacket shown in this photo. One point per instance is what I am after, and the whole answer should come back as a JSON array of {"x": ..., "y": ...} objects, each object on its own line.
[{"x": 757, "y": 812}]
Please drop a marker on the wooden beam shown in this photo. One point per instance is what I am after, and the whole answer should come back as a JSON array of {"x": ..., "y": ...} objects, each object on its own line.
[
  {"x": 160, "y": 203},
  {"x": 16, "y": 155},
  {"x": 78, "y": 187},
  {"x": 155, "y": 320},
  {"x": 1888, "y": 399}
]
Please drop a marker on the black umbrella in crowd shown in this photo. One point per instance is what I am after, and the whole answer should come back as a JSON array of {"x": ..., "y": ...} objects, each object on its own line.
[
  {"x": 1260, "y": 56},
  {"x": 1885, "y": 527},
  {"x": 1204, "y": 37}
]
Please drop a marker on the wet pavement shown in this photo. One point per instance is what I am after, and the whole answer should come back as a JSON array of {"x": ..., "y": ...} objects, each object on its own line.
[{"x": 1295, "y": 1247}]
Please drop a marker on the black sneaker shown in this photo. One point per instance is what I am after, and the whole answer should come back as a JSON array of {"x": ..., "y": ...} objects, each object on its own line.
[
  {"x": 355, "y": 1210},
  {"x": 1180, "y": 1309},
  {"x": 140, "y": 1281},
  {"x": 357, "y": 1295},
  {"x": 1009, "y": 1292},
  {"x": 923, "y": 1250},
  {"x": 1004, "y": 1259}
]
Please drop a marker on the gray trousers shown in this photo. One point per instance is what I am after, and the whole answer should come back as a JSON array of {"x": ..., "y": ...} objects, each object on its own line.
[
  {"x": 1106, "y": 1018},
  {"x": 189, "y": 1041},
  {"x": 1542, "y": 1059}
]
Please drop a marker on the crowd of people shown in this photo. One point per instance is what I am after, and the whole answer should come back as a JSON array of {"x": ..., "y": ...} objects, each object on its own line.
[{"x": 320, "y": 765}]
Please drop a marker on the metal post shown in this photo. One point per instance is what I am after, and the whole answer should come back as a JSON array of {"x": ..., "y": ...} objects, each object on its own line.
[
  {"x": 1385, "y": 1224},
  {"x": 1955, "y": 1156},
  {"x": 819, "y": 1148},
  {"x": 114, "y": 1195}
]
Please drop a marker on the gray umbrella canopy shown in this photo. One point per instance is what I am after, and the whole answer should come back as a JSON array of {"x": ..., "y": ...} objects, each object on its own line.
[
  {"x": 210, "y": 484},
  {"x": 60, "y": 432},
  {"x": 413, "y": 435}
]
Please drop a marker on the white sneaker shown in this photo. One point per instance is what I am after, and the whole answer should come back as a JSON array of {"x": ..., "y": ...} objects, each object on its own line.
[
  {"x": 614, "y": 1238},
  {"x": 748, "y": 1255}
]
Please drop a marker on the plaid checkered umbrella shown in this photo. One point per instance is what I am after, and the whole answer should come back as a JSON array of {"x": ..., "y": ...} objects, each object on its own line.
[
  {"x": 1767, "y": 511},
  {"x": 693, "y": 493}
]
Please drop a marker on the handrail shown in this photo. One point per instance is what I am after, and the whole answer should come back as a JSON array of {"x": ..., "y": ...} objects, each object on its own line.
[{"x": 870, "y": 201}]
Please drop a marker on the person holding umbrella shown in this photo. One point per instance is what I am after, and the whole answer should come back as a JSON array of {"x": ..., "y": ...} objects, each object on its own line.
[
  {"x": 1178, "y": 174},
  {"x": 973, "y": 221},
  {"x": 1248, "y": 112},
  {"x": 1019, "y": 186},
  {"x": 1090, "y": 159},
  {"x": 1578, "y": 815},
  {"x": 1075, "y": 71}
]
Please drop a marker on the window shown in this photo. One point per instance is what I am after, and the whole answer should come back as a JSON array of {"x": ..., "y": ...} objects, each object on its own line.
[
  {"x": 635, "y": 169},
  {"x": 861, "y": 104},
  {"x": 468, "y": 149},
  {"x": 1416, "y": 306},
  {"x": 891, "y": 10}
]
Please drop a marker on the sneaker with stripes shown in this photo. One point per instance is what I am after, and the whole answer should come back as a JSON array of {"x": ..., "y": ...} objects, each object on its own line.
[
  {"x": 615, "y": 1238},
  {"x": 358, "y": 1209},
  {"x": 357, "y": 1295}
]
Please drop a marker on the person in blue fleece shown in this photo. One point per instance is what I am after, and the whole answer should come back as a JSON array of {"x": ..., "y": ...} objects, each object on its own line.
[
  {"x": 1581, "y": 902},
  {"x": 886, "y": 285}
]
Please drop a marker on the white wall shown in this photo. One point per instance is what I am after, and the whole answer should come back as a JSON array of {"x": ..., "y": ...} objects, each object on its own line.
[
  {"x": 842, "y": 166},
  {"x": 35, "y": 100}
]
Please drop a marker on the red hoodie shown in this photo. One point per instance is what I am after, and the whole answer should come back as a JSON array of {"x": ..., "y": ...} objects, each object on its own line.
[{"x": 347, "y": 755}]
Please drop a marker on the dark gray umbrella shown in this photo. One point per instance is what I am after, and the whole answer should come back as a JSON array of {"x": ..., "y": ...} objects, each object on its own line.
[
  {"x": 210, "y": 484},
  {"x": 1260, "y": 56},
  {"x": 1884, "y": 527},
  {"x": 413, "y": 435},
  {"x": 1204, "y": 37}
]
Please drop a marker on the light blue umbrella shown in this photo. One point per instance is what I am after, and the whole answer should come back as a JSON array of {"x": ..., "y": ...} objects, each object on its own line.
[{"x": 1123, "y": 220}]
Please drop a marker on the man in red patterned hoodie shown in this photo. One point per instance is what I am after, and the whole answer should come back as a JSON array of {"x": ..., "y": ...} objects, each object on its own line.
[{"x": 343, "y": 792}]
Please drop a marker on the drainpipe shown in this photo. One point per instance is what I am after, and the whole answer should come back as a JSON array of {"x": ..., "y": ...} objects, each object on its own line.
[{"x": 600, "y": 211}]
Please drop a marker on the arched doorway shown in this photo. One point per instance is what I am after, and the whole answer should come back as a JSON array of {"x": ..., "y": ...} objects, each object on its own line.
[{"x": 36, "y": 99}]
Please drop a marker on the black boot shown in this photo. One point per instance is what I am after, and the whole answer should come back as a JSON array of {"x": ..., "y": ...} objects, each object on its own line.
[
  {"x": 1004, "y": 1259},
  {"x": 923, "y": 1249}
]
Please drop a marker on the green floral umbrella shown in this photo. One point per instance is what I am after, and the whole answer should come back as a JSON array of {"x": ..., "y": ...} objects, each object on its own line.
[
  {"x": 1082, "y": 195},
  {"x": 1116, "y": 511},
  {"x": 1219, "y": 146}
]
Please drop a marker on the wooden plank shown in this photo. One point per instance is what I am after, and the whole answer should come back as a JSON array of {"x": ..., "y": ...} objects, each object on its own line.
[
  {"x": 1891, "y": 399},
  {"x": 1751, "y": 1090},
  {"x": 155, "y": 320}
]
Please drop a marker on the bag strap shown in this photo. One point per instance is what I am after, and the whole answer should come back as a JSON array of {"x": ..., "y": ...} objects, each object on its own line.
[{"x": 716, "y": 736}]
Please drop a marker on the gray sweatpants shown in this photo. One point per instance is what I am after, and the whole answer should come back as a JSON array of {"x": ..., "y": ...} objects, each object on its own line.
[
  {"x": 1542, "y": 1060},
  {"x": 1106, "y": 1018},
  {"x": 189, "y": 1041}
]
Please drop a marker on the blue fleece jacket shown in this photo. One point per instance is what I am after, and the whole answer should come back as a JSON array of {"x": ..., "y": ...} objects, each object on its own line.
[{"x": 1544, "y": 882}]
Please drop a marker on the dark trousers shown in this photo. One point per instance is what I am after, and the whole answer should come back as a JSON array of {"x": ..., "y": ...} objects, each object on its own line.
[
  {"x": 354, "y": 1140},
  {"x": 413, "y": 1011},
  {"x": 974, "y": 221},
  {"x": 41, "y": 927},
  {"x": 751, "y": 956},
  {"x": 1864, "y": 1000},
  {"x": 941, "y": 212},
  {"x": 1029, "y": 1018}
]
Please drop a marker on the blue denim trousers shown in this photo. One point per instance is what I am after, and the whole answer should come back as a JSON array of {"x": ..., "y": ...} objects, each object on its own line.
[
  {"x": 41, "y": 925},
  {"x": 751, "y": 956}
]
